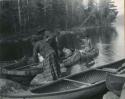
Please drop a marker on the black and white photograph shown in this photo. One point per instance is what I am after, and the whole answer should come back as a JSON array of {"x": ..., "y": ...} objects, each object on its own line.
[{"x": 62, "y": 49}]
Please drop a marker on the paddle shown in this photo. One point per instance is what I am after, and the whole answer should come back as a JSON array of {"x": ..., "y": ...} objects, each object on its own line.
[{"x": 88, "y": 84}]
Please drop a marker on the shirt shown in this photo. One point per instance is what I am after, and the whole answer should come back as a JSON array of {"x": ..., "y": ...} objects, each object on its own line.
[{"x": 43, "y": 48}]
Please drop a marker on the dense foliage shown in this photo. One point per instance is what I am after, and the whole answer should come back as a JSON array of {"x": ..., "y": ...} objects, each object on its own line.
[{"x": 27, "y": 16}]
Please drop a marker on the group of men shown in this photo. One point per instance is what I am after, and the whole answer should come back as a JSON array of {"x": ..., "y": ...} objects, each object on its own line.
[{"x": 45, "y": 48}]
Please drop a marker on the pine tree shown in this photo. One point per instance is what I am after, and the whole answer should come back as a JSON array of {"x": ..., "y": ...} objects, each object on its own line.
[
  {"x": 108, "y": 11},
  {"x": 9, "y": 20}
]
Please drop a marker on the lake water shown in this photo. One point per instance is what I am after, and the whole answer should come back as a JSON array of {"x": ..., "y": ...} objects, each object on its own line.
[{"x": 111, "y": 44}]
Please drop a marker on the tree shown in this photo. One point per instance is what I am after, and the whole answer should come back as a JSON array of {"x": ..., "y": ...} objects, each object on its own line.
[
  {"x": 108, "y": 11},
  {"x": 9, "y": 21}
]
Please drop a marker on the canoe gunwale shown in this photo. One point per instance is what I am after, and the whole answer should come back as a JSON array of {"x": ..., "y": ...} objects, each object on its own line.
[
  {"x": 55, "y": 93},
  {"x": 30, "y": 72},
  {"x": 107, "y": 65}
]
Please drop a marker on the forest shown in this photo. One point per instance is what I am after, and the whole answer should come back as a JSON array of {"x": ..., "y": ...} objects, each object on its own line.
[
  {"x": 24, "y": 17},
  {"x": 20, "y": 19}
]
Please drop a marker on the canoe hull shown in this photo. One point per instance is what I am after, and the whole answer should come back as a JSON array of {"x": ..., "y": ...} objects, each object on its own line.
[
  {"x": 114, "y": 65},
  {"x": 24, "y": 80},
  {"x": 23, "y": 77},
  {"x": 84, "y": 93},
  {"x": 81, "y": 93},
  {"x": 115, "y": 83}
]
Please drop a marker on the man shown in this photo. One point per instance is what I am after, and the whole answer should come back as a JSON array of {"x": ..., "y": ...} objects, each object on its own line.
[
  {"x": 41, "y": 48},
  {"x": 54, "y": 42}
]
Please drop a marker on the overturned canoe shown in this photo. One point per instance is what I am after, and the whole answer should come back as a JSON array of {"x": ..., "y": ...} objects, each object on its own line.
[{"x": 81, "y": 85}]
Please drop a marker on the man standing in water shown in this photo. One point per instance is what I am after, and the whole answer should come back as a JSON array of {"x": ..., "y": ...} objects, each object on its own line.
[{"x": 41, "y": 48}]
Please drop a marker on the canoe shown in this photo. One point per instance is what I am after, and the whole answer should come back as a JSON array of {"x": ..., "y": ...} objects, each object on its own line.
[
  {"x": 22, "y": 75},
  {"x": 113, "y": 65},
  {"x": 114, "y": 79},
  {"x": 81, "y": 85},
  {"x": 115, "y": 82},
  {"x": 5, "y": 63},
  {"x": 84, "y": 84}
]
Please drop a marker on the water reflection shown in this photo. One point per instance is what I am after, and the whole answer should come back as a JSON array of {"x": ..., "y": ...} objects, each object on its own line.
[
  {"x": 110, "y": 41},
  {"x": 103, "y": 35}
]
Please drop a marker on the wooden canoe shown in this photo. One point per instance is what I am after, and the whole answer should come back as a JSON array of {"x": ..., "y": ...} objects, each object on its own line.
[
  {"x": 5, "y": 63},
  {"x": 114, "y": 65},
  {"x": 114, "y": 79},
  {"x": 84, "y": 84},
  {"x": 22, "y": 75},
  {"x": 115, "y": 82},
  {"x": 81, "y": 85}
]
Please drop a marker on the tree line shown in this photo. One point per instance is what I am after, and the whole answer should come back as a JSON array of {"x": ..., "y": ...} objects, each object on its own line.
[{"x": 27, "y": 16}]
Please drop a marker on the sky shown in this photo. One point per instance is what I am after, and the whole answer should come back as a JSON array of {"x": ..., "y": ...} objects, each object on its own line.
[
  {"x": 120, "y": 6},
  {"x": 118, "y": 3}
]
